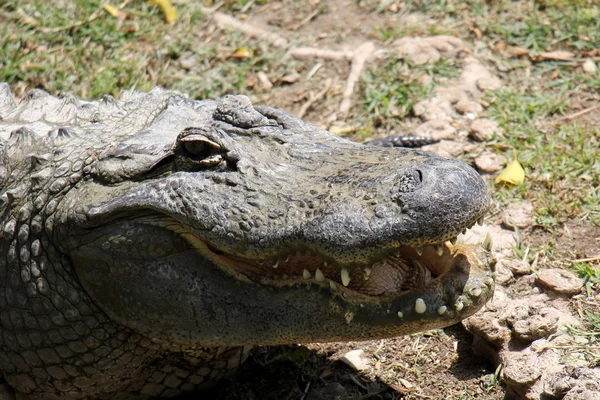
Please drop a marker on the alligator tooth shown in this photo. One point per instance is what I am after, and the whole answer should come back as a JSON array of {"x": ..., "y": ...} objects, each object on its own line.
[
  {"x": 476, "y": 292},
  {"x": 345, "y": 277},
  {"x": 439, "y": 249},
  {"x": 260, "y": 262},
  {"x": 441, "y": 310},
  {"x": 366, "y": 273},
  {"x": 332, "y": 286},
  {"x": 400, "y": 314},
  {"x": 319, "y": 277},
  {"x": 487, "y": 242},
  {"x": 480, "y": 221},
  {"x": 349, "y": 316},
  {"x": 419, "y": 250},
  {"x": 420, "y": 306},
  {"x": 287, "y": 259},
  {"x": 306, "y": 274},
  {"x": 276, "y": 264},
  {"x": 459, "y": 305}
]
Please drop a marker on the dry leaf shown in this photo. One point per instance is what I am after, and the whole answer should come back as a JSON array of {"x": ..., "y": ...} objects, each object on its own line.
[
  {"x": 26, "y": 19},
  {"x": 516, "y": 51},
  {"x": 241, "y": 53},
  {"x": 559, "y": 55},
  {"x": 112, "y": 10},
  {"x": 290, "y": 78},
  {"x": 513, "y": 173},
  {"x": 167, "y": 9}
]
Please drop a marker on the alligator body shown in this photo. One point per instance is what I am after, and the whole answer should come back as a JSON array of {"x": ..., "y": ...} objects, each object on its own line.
[{"x": 148, "y": 243}]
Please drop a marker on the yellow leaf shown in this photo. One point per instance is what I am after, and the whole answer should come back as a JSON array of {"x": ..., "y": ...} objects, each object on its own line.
[
  {"x": 112, "y": 10},
  {"x": 241, "y": 52},
  {"x": 167, "y": 9},
  {"x": 513, "y": 173}
]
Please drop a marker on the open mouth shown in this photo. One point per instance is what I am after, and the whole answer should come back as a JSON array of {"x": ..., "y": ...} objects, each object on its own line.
[{"x": 406, "y": 269}]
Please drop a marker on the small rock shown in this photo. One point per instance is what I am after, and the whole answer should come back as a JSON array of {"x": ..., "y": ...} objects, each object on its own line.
[
  {"x": 560, "y": 280},
  {"x": 405, "y": 383},
  {"x": 291, "y": 78},
  {"x": 423, "y": 50},
  {"x": 356, "y": 360},
  {"x": 264, "y": 80},
  {"x": 488, "y": 83},
  {"x": 433, "y": 109},
  {"x": 446, "y": 148},
  {"x": 483, "y": 129},
  {"x": 489, "y": 162},
  {"x": 521, "y": 369},
  {"x": 582, "y": 393},
  {"x": 518, "y": 215},
  {"x": 473, "y": 72},
  {"x": 517, "y": 267},
  {"x": 503, "y": 273},
  {"x": 438, "y": 130},
  {"x": 453, "y": 94},
  {"x": 533, "y": 323},
  {"x": 185, "y": 63},
  {"x": 467, "y": 106},
  {"x": 589, "y": 66}
]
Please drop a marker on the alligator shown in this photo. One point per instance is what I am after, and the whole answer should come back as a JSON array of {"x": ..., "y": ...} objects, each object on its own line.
[{"x": 149, "y": 243}]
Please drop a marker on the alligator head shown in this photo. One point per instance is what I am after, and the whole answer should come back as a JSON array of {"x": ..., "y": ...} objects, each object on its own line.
[
  {"x": 203, "y": 223},
  {"x": 222, "y": 223}
]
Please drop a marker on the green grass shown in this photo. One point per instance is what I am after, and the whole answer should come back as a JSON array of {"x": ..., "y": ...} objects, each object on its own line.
[
  {"x": 561, "y": 159},
  {"x": 390, "y": 91},
  {"x": 535, "y": 25},
  {"x": 590, "y": 275},
  {"x": 106, "y": 56},
  {"x": 95, "y": 57}
]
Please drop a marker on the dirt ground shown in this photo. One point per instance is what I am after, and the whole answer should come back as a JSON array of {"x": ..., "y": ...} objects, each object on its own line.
[{"x": 432, "y": 69}]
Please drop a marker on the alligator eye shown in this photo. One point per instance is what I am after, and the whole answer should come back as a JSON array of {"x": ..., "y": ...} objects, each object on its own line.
[{"x": 196, "y": 149}]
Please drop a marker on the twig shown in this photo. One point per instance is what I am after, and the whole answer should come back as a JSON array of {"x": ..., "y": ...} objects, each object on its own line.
[
  {"x": 313, "y": 99},
  {"x": 227, "y": 21},
  {"x": 94, "y": 16},
  {"x": 313, "y": 71},
  {"x": 579, "y": 113},
  {"x": 597, "y": 258},
  {"x": 362, "y": 53},
  {"x": 247, "y": 6},
  {"x": 311, "y": 52},
  {"x": 583, "y": 346},
  {"x": 304, "y": 21},
  {"x": 305, "y": 391}
]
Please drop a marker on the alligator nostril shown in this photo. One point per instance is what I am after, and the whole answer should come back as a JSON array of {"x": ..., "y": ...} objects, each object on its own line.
[{"x": 407, "y": 181}]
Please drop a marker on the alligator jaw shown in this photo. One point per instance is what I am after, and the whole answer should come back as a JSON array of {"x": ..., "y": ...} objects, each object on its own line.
[{"x": 444, "y": 283}]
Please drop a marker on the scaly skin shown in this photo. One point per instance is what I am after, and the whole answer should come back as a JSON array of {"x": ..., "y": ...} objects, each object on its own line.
[{"x": 139, "y": 239}]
